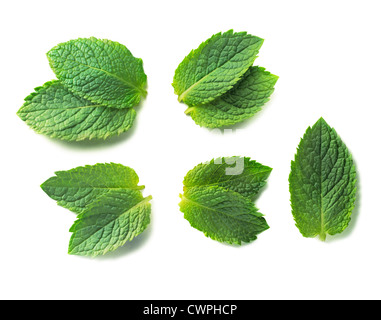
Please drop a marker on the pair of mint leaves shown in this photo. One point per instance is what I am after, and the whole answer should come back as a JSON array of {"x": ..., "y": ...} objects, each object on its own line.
[
  {"x": 218, "y": 82},
  {"x": 100, "y": 81},
  {"x": 109, "y": 204},
  {"x": 218, "y": 196},
  {"x": 218, "y": 199}
]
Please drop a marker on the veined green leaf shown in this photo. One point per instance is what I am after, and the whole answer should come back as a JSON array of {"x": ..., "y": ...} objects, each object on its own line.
[
  {"x": 218, "y": 197},
  {"x": 111, "y": 207},
  {"x": 239, "y": 174},
  {"x": 222, "y": 215},
  {"x": 102, "y": 71},
  {"x": 55, "y": 111},
  {"x": 77, "y": 188},
  {"x": 215, "y": 66},
  {"x": 240, "y": 103},
  {"x": 108, "y": 223},
  {"x": 322, "y": 183}
]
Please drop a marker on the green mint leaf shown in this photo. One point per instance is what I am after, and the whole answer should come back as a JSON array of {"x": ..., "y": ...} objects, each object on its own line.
[
  {"x": 322, "y": 183},
  {"x": 55, "y": 111},
  {"x": 102, "y": 71},
  {"x": 111, "y": 221},
  {"x": 77, "y": 188},
  {"x": 239, "y": 174},
  {"x": 218, "y": 197},
  {"x": 240, "y": 103},
  {"x": 222, "y": 215},
  {"x": 215, "y": 67}
]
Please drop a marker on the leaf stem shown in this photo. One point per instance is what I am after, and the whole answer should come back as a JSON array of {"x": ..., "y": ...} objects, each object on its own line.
[
  {"x": 322, "y": 236},
  {"x": 189, "y": 110}
]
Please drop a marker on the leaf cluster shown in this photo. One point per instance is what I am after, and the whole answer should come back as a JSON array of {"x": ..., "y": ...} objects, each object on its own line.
[
  {"x": 109, "y": 204},
  {"x": 218, "y": 82},
  {"x": 99, "y": 83},
  {"x": 218, "y": 199}
]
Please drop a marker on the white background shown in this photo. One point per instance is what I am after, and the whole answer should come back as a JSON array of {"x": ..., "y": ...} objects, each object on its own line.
[{"x": 327, "y": 55}]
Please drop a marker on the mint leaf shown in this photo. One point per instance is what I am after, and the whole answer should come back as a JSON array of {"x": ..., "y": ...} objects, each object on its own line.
[
  {"x": 102, "y": 71},
  {"x": 239, "y": 174},
  {"x": 108, "y": 223},
  {"x": 110, "y": 206},
  {"x": 322, "y": 183},
  {"x": 222, "y": 215},
  {"x": 240, "y": 103},
  {"x": 218, "y": 196},
  {"x": 215, "y": 66},
  {"x": 55, "y": 111},
  {"x": 77, "y": 188}
]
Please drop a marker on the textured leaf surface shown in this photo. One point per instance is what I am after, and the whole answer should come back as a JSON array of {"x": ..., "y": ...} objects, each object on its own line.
[
  {"x": 322, "y": 183},
  {"x": 218, "y": 197},
  {"x": 77, "y": 188},
  {"x": 222, "y": 215},
  {"x": 102, "y": 71},
  {"x": 240, "y": 103},
  {"x": 55, "y": 111},
  {"x": 116, "y": 217},
  {"x": 215, "y": 66},
  {"x": 239, "y": 174}
]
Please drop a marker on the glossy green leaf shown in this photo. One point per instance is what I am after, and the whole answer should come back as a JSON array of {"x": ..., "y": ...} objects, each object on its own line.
[
  {"x": 222, "y": 215},
  {"x": 322, "y": 183},
  {"x": 77, "y": 188},
  {"x": 115, "y": 218},
  {"x": 215, "y": 67},
  {"x": 241, "y": 102},
  {"x": 102, "y": 71},
  {"x": 55, "y": 111},
  {"x": 239, "y": 174}
]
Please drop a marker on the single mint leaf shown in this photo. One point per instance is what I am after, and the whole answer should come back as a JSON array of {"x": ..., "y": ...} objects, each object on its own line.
[
  {"x": 215, "y": 67},
  {"x": 102, "y": 71},
  {"x": 222, "y": 215},
  {"x": 108, "y": 223},
  {"x": 77, "y": 188},
  {"x": 322, "y": 183},
  {"x": 240, "y": 103},
  {"x": 55, "y": 111},
  {"x": 239, "y": 174}
]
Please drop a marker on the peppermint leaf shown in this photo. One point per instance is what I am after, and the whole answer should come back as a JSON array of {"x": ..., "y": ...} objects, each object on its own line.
[
  {"x": 240, "y": 103},
  {"x": 222, "y": 215},
  {"x": 322, "y": 183},
  {"x": 215, "y": 67},
  {"x": 55, "y": 111},
  {"x": 102, "y": 71},
  {"x": 108, "y": 223},
  {"x": 78, "y": 188},
  {"x": 239, "y": 174},
  {"x": 218, "y": 196}
]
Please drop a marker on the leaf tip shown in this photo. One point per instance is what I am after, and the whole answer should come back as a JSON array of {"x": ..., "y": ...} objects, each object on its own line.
[
  {"x": 43, "y": 186},
  {"x": 19, "y": 114},
  {"x": 322, "y": 121}
]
